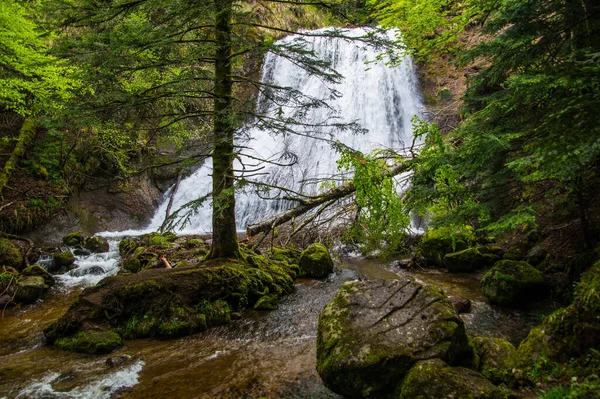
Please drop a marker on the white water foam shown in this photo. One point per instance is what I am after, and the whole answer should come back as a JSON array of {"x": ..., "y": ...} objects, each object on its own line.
[{"x": 102, "y": 388}]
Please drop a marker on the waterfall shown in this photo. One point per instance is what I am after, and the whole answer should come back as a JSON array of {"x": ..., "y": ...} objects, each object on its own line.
[{"x": 380, "y": 98}]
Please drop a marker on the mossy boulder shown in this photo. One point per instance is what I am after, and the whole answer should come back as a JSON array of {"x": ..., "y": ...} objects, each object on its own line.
[
  {"x": 510, "y": 282},
  {"x": 537, "y": 255},
  {"x": 63, "y": 259},
  {"x": 95, "y": 343},
  {"x": 497, "y": 359},
  {"x": 435, "y": 379},
  {"x": 290, "y": 255},
  {"x": 436, "y": 243},
  {"x": 168, "y": 303},
  {"x": 30, "y": 288},
  {"x": 96, "y": 244},
  {"x": 266, "y": 302},
  {"x": 569, "y": 332},
  {"x": 37, "y": 270},
  {"x": 372, "y": 333},
  {"x": 467, "y": 260},
  {"x": 315, "y": 261},
  {"x": 514, "y": 253},
  {"x": 491, "y": 253},
  {"x": 10, "y": 254},
  {"x": 73, "y": 239}
]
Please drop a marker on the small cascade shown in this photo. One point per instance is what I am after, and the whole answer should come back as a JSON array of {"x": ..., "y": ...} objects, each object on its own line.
[{"x": 381, "y": 99}]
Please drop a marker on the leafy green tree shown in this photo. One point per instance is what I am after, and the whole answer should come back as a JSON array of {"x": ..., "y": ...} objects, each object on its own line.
[
  {"x": 187, "y": 62},
  {"x": 532, "y": 129}
]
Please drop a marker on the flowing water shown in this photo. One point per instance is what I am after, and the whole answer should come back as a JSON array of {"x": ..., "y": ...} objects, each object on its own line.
[{"x": 264, "y": 354}]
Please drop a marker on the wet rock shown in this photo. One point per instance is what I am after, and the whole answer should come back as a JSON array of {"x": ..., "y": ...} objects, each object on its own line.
[
  {"x": 404, "y": 263},
  {"x": 435, "y": 244},
  {"x": 509, "y": 282},
  {"x": 96, "y": 244},
  {"x": 37, "y": 270},
  {"x": 266, "y": 302},
  {"x": 63, "y": 259},
  {"x": 115, "y": 361},
  {"x": 462, "y": 305},
  {"x": 30, "y": 288},
  {"x": 91, "y": 342},
  {"x": 10, "y": 254},
  {"x": 81, "y": 252},
  {"x": 373, "y": 332},
  {"x": 88, "y": 271},
  {"x": 497, "y": 359},
  {"x": 236, "y": 316},
  {"x": 73, "y": 239},
  {"x": 435, "y": 379},
  {"x": 315, "y": 261},
  {"x": 467, "y": 260},
  {"x": 536, "y": 255}
]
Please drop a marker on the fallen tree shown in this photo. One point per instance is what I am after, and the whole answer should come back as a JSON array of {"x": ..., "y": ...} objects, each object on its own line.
[{"x": 306, "y": 205}]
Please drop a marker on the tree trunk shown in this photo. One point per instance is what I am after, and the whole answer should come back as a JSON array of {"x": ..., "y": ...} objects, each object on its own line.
[
  {"x": 331, "y": 195},
  {"x": 224, "y": 244},
  {"x": 26, "y": 136}
]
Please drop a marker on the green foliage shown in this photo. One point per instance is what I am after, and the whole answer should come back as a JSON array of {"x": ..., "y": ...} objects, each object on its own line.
[
  {"x": 380, "y": 216},
  {"x": 31, "y": 80}
]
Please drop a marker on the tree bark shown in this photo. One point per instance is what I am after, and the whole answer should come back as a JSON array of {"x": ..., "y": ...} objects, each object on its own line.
[
  {"x": 224, "y": 243},
  {"x": 305, "y": 206},
  {"x": 26, "y": 136}
]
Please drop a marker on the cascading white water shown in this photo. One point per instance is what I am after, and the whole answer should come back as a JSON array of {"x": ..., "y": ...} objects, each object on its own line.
[{"x": 381, "y": 99}]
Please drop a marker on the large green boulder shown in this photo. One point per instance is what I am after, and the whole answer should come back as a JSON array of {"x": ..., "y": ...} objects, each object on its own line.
[
  {"x": 29, "y": 289},
  {"x": 433, "y": 378},
  {"x": 467, "y": 260},
  {"x": 497, "y": 359},
  {"x": 436, "y": 243},
  {"x": 37, "y": 270},
  {"x": 73, "y": 239},
  {"x": 373, "y": 332},
  {"x": 509, "y": 282},
  {"x": 315, "y": 261},
  {"x": 96, "y": 244},
  {"x": 91, "y": 342},
  {"x": 10, "y": 254},
  {"x": 63, "y": 259}
]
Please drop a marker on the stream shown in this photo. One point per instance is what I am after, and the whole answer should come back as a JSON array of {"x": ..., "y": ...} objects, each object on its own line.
[{"x": 264, "y": 354}]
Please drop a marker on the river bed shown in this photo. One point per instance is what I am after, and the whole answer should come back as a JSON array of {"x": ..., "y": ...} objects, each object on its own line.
[{"x": 265, "y": 354}]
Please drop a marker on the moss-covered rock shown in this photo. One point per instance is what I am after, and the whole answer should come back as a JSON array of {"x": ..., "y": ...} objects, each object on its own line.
[
  {"x": 509, "y": 282},
  {"x": 436, "y": 243},
  {"x": 30, "y": 288},
  {"x": 63, "y": 259},
  {"x": 315, "y": 261},
  {"x": 289, "y": 255},
  {"x": 514, "y": 253},
  {"x": 91, "y": 342},
  {"x": 132, "y": 265},
  {"x": 373, "y": 332},
  {"x": 569, "y": 332},
  {"x": 96, "y": 244},
  {"x": 10, "y": 254},
  {"x": 467, "y": 260},
  {"x": 435, "y": 379},
  {"x": 37, "y": 270},
  {"x": 173, "y": 302},
  {"x": 73, "y": 239},
  {"x": 497, "y": 359},
  {"x": 266, "y": 302},
  {"x": 537, "y": 255}
]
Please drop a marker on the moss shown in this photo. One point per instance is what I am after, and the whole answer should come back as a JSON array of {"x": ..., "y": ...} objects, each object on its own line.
[
  {"x": 97, "y": 244},
  {"x": 9, "y": 254},
  {"x": 132, "y": 265},
  {"x": 266, "y": 302},
  {"x": 508, "y": 282},
  {"x": 91, "y": 342},
  {"x": 436, "y": 243},
  {"x": 514, "y": 253},
  {"x": 315, "y": 261},
  {"x": 289, "y": 255},
  {"x": 37, "y": 270},
  {"x": 194, "y": 243},
  {"x": 435, "y": 379},
  {"x": 29, "y": 289},
  {"x": 159, "y": 241},
  {"x": 65, "y": 258},
  {"x": 467, "y": 260},
  {"x": 127, "y": 245},
  {"x": 73, "y": 239},
  {"x": 497, "y": 359}
]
